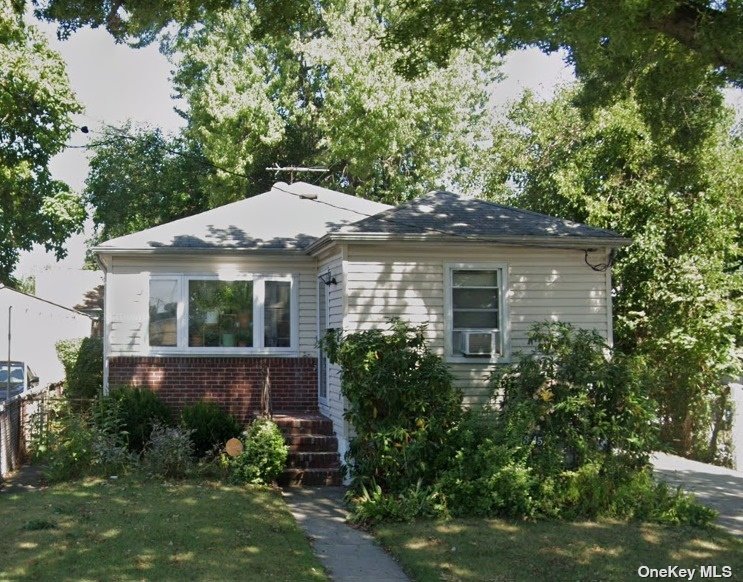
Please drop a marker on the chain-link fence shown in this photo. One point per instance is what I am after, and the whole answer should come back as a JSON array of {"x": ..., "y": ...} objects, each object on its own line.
[{"x": 17, "y": 418}]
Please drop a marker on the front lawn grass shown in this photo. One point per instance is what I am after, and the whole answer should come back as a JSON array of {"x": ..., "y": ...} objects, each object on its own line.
[
  {"x": 148, "y": 530},
  {"x": 480, "y": 549}
]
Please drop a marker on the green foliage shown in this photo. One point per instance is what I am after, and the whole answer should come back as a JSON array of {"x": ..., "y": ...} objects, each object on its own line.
[
  {"x": 373, "y": 505},
  {"x": 677, "y": 288},
  {"x": 82, "y": 442},
  {"x": 140, "y": 409},
  {"x": 131, "y": 21},
  {"x": 329, "y": 96},
  {"x": 40, "y": 525},
  {"x": 169, "y": 451},
  {"x": 401, "y": 403},
  {"x": 139, "y": 178},
  {"x": 264, "y": 454},
  {"x": 570, "y": 437},
  {"x": 82, "y": 360},
  {"x": 70, "y": 451},
  {"x": 111, "y": 454},
  {"x": 210, "y": 426},
  {"x": 675, "y": 57},
  {"x": 36, "y": 108},
  {"x": 573, "y": 405}
]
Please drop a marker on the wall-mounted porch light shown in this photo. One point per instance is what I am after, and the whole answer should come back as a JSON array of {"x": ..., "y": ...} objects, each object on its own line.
[{"x": 327, "y": 278}]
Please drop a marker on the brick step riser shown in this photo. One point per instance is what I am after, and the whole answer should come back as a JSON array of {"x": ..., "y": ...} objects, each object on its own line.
[
  {"x": 311, "y": 478},
  {"x": 302, "y": 431},
  {"x": 303, "y": 460},
  {"x": 306, "y": 426},
  {"x": 317, "y": 446}
]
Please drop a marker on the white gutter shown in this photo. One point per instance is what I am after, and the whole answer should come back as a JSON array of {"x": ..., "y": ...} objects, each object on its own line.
[{"x": 571, "y": 242}]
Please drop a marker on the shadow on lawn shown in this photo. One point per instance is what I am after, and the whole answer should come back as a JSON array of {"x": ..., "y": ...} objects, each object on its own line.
[
  {"x": 500, "y": 550},
  {"x": 132, "y": 530}
]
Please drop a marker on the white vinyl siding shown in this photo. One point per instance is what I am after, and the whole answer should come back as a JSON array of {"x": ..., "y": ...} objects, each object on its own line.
[
  {"x": 127, "y": 309},
  {"x": 542, "y": 284},
  {"x": 333, "y": 406}
]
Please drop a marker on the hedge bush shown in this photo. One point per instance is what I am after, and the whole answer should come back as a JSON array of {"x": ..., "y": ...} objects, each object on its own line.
[
  {"x": 570, "y": 437},
  {"x": 264, "y": 454},
  {"x": 140, "y": 409},
  {"x": 210, "y": 426},
  {"x": 401, "y": 402},
  {"x": 82, "y": 360}
]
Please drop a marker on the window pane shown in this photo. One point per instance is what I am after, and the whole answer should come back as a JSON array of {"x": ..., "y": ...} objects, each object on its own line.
[
  {"x": 16, "y": 374},
  {"x": 277, "y": 314},
  {"x": 164, "y": 313},
  {"x": 476, "y": 319},
  {"x": 475, "y": 278},
  {"x": 475, "y": 298},
  {"x": 220, "y": 314}
]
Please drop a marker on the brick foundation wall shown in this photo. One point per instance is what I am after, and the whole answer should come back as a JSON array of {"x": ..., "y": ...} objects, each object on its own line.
[{"x": 235, "y": 383}]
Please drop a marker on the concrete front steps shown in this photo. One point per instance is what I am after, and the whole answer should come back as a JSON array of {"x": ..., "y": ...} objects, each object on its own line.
[{"x": 313, "y": 451}]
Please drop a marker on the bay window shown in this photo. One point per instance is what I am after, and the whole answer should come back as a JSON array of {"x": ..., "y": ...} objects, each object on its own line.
[
  {"x": 212, "y": 314},
  {"x": 475, "y": 319}
]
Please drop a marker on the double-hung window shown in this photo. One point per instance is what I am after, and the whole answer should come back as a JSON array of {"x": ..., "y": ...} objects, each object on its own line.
[
  {"x": 475, "y": 319},
  {"x": 211, "y": 314}
]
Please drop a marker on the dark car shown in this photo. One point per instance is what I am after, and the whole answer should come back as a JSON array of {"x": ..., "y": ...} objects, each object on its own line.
[{"x": 22, "y": 378}]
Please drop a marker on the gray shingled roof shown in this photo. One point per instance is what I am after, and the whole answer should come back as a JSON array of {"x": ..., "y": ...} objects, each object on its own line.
[
  {"x": 295, "y": 217},
  {"x": 446, "y": 213},
  {"x": 288, "y": 217}
]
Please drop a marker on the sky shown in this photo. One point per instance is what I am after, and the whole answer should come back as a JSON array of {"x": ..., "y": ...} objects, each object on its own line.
[{"x": 116, "y": 83}]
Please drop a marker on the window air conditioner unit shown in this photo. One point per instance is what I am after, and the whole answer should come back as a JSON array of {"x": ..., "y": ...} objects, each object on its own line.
[{"x": 477, "y": 342}]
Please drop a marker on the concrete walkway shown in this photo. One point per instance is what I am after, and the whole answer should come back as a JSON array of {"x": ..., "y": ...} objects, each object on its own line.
[
  {"x": 349, "y": 554},
  {"x": 717, "y": 487}
]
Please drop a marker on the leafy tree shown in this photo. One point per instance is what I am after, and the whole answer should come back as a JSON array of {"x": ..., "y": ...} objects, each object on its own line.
[
  {"x": 677, "y": 287},
  {"x": 672, "y": 56},
  {"x": 140, "y": 178},
  {"x": 36, "y": 104},
  {"x": 135, "y": 21},
  {"x": 329, "y": 98},
  {"x": 325, "y": 96}
]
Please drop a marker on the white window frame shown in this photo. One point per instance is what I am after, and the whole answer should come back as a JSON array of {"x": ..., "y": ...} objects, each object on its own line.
[
  {"x": 504, "y": 320},
  {"x": 258, "y": 347}
]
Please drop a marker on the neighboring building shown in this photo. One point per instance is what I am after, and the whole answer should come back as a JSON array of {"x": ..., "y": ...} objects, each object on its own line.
[
  {"x": 201, "y": 307},
  {"x": 36, "y": 326},
  {"x": 78, "y": 289}
]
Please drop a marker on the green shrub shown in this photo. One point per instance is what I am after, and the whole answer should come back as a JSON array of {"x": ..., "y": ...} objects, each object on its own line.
[
  {"x": 372, "y": 505},
  {"x": 401, "y": 403},
  {"x": 571, "y": 435},
  {"x": 211, "y": 427},
  {"x": 140, "y": 409},
  {"x": 111, "y": 454},
  {"x": 264, "y": 454},
  {"x": 169, "y": 451},
  {"x": 70, "y": 451},
  {"x": 84, "y": 442},
  {"x": 574, "y": 403},
  {"x": 82, "y": 360}
]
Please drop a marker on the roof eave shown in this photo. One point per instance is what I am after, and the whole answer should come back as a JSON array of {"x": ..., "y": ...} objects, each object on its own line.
[
  {"x": 578, "y": 242},
  {"x": 191, "y": 250}
]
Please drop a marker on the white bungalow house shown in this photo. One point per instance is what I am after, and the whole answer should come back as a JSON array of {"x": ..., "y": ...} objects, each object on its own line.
[{"x": 207, "y": 306}]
